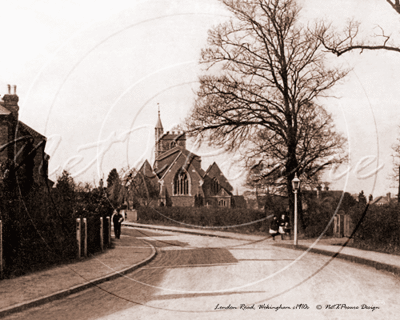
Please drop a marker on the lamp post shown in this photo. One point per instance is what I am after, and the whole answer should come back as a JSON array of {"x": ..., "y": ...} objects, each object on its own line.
[{"x": 296, "y": 187}]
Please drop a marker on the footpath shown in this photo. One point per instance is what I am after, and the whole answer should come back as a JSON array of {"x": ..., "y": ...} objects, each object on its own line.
[
  {"x": 130, "y": 253},
  {"x": 37, "y": 288}
]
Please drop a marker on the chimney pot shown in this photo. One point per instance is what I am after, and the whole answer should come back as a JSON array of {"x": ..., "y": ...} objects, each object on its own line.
[
  {"x": 15, "y": 89},
  {"x": 9, "y": 89}
]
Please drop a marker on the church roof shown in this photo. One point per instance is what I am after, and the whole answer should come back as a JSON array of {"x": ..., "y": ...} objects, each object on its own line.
[
  {"x": 175, "y": 149},
  {"x": 214, "y": 171},
  {"x": 147, "y": 170}
]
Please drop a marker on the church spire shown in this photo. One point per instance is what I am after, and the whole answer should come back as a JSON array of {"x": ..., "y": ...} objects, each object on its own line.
[
  {"x": 159, "y": 131},
  {"x": 159, "y": 124}
]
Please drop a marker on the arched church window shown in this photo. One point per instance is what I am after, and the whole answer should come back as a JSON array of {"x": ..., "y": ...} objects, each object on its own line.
[
  {"x": 181, "y": 183},
  {"x": 172, "y": 144}
]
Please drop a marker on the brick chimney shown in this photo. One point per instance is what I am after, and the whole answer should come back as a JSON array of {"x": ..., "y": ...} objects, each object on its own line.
[
  {"x": 11, "y": 101},
  {"x": 388, "y": 196}
]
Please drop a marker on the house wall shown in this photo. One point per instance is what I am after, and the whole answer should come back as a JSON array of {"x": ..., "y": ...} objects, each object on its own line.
[
  {"x": 11, "y": 130},
  {"x": 3, "y": 140}
]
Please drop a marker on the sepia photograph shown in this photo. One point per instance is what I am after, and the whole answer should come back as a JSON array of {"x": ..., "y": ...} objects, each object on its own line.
[{"x": 200, "y": 159}]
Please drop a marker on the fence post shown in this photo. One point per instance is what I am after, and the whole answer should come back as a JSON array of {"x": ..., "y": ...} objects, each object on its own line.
[
  {"x": 78, "y": 235},
  {"x": 335, "y": 226},
  {"x": 109, "y": 230},
  {"x": 1, "y": 249},
  {"x": 101, "y": 234},
  {"x": 85, "y": 237}
]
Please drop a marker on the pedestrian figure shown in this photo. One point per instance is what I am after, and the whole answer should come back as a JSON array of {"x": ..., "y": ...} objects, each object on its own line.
[
  {"x": 117, "y": 221},
  {"x": 283, "y": 225},
  {"x": 274, "y": 227}
]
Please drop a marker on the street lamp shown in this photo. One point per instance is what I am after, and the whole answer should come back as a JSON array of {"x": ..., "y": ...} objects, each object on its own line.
[{"x": 296, "y": 187}]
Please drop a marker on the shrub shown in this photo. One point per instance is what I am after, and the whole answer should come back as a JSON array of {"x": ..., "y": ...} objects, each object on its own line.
[
  {"x": 380, "y": 228},
  {"x": 317, "y": 218},
  {"x": 234, "y": 218},
  {"x": 39, "y": 228}
]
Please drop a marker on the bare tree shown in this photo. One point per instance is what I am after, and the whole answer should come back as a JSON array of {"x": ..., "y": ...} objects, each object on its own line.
[
  {"x": 349, "y": 39},
  {"x": 395, "y": 175},
  {"x": 265, "y": 72},
  {"x": 139, "y": 187}
]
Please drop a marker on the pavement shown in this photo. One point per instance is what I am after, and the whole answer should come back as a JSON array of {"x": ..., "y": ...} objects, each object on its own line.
[
  {"x": 130, "y": 253},
  {"x": 34, "y": 289}
]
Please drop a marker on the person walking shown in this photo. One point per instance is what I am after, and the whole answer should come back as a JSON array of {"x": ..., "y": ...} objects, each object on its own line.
[
  {"x": 274, "y": 227},
  {"x": 117, "y": 221}
]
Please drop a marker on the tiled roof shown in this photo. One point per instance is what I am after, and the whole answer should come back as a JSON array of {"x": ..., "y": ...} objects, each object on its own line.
[
  {"x": 174, "y": 150},
  {"x": 4, "y": 111},
  {"x": 29, "y": 130}
]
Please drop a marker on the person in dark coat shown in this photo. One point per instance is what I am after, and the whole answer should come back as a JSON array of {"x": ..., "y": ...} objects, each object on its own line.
[
  {"x": 117, "y": 221},
  {"x": 274, "y": 227}
]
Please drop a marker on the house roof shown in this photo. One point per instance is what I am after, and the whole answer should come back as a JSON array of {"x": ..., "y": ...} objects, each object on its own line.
[
  {"x": 29, "y": 130},
  {"x": 4, "y": 111},
  {"x": 381, "y": 200}
]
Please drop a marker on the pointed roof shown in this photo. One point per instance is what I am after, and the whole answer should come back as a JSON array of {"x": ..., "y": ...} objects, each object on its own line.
[
  {"x": 31, "y": 131},
  {"x": 4, "y": 111},
  {"x": 159, "y": 124},
  {"x": 147, "y": 170},
  {"x": 214, "y": 171}
]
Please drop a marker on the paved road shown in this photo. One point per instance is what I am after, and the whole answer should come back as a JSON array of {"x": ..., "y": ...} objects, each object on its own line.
[{"x": 197, "y": 277}]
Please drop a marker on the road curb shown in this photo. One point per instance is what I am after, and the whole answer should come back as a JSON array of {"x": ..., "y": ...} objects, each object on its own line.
[
  {"x": 64, "y": 293},
  {"x": 372, "y": 263}
]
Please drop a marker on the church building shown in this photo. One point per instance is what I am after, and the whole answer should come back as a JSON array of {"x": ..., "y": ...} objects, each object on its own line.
[{"x": 181, "y": 180}]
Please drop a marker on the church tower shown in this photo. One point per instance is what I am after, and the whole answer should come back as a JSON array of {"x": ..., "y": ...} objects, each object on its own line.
[{"x": 159, "y": 131}]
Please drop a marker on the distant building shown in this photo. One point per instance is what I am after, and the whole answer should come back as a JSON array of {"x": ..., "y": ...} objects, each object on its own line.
[
  {"x": 21, "y": 147},
  {"x": 182, "y": 181},
  {"x": 383, "y": 200}
]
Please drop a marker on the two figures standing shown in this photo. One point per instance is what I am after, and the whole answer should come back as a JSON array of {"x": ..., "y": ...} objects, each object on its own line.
[{"x": 279, "y": 226}]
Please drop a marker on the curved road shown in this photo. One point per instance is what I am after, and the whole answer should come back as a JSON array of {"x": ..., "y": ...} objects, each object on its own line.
[{"x": 197, "y": 277}]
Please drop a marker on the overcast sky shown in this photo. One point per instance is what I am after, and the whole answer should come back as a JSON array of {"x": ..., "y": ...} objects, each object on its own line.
[{"x": 89, "y": 75}]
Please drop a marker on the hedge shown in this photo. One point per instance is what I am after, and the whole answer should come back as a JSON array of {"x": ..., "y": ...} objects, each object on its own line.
[
  {"x": 380, "y": 228},
  {"x": 232, "y": 219},
  {"x": 39, "y": 229}
]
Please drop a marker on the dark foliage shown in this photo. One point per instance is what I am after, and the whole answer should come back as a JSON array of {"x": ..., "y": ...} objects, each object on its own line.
[
  {"x": 112, "y": 178},
  {"x": 245, "y": 220},
  {"x": 318, "y": 217},
  {"x": 380, "y": 228},
  {"x": 39, "y": 227}
]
